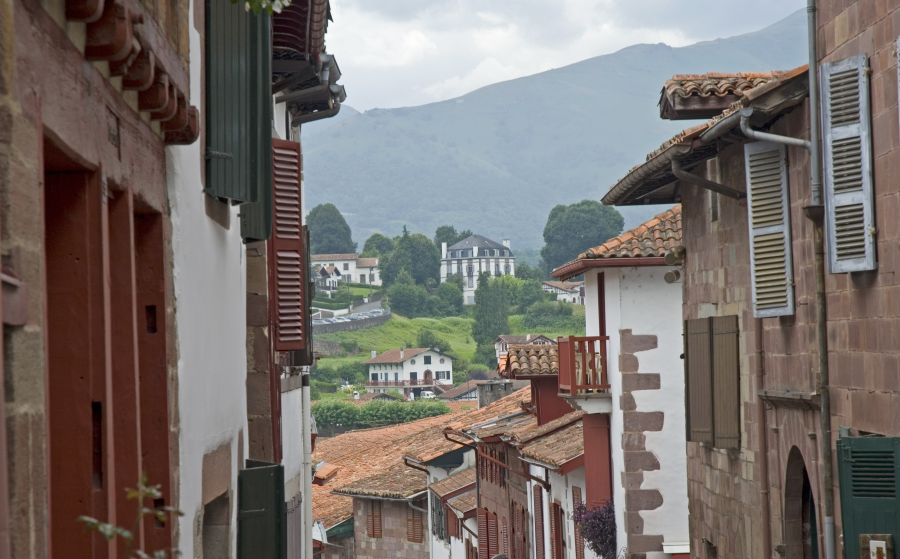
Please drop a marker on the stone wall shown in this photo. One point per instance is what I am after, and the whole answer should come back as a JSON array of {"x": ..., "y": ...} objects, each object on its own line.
[{"x": 393, "y": 542}]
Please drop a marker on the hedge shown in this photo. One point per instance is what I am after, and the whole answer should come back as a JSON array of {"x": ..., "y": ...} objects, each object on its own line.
[{"x": 329, "y": 305}]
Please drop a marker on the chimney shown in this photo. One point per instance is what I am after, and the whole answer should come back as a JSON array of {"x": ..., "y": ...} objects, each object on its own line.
[
  {"x": 527, "y": 338},
  {"x": 443, "y": 251},
  {"x": 506, "y": 243},
  {"x": 373, "y": 354},
  {"x": 401, "y": 354}
]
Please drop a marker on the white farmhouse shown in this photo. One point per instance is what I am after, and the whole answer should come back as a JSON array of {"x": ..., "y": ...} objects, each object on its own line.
[
  {"x": 568, "y": 291},
  {"x": 353, "y": 269},
  {"x": 473, "y": 255},
  {"x": 410, "y": 370},
  {"x": 503, "y": 341}
]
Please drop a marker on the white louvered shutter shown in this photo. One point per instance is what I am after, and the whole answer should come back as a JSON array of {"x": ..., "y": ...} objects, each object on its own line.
[
  {"x": 849, "y": 202},
  {"x": 287, "y": 258},
  {"x": 769, "y": 217}
]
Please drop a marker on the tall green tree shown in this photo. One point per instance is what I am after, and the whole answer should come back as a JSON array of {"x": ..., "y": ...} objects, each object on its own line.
[
  {"x": 526, "y": 272},
  {"x": 415, "y": 253},
  {"x": 491, "y": 311},
  {"x": 328, "y": 231},
  {"x": 572, "y": 229},
  {"x": 378, "y": 245},
  {"x": 447, "y": 234}
]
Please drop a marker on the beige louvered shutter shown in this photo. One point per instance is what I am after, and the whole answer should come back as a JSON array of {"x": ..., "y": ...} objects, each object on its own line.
[
  {"x": 847, "y": 139},
  {"x": 698, "y": 394},
  {"x": 769, "y": 217},
  {"x": 287, "y": 257}
]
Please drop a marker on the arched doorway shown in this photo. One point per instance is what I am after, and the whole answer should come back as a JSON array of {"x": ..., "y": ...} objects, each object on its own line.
[
  {"x": 427, "y": 376},
  {"x": 801, "y": 537}
]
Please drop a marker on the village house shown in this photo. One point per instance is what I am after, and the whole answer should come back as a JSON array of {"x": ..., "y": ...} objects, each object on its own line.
[
  {"x": 789, "y": 294},
  {"x": 631, "y": 302},
  {"x": 473, "y": 255},
  {"x": 328, "y": 277},
  {"x": 467, "y": 391},
  {"x": 568, "y": 291},
  {"x": 353, "y": 269},
  {"x": 503, "y": 341},
  {"x": 409, "y": 370}
]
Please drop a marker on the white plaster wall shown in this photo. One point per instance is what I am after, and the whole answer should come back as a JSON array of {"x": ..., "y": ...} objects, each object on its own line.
[
  {"x": 649, "y": 305},
  {"x": 292, "y": 426},
  {"x": 420, "y": 366},
  {"x": 210, "y": 306}
]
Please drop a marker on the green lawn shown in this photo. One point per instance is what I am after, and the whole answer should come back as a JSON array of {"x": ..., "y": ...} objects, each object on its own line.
[{"x": 358, "y": 292}]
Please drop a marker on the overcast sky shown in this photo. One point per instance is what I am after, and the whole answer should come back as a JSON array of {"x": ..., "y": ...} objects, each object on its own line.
[{"x": 396, "y": 53}]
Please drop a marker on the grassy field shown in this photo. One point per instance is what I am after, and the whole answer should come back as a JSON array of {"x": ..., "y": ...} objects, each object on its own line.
[{"x": 400, "y": 332}]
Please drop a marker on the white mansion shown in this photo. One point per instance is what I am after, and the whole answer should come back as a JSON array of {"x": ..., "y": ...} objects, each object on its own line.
[{"x": 473, "y": 255}]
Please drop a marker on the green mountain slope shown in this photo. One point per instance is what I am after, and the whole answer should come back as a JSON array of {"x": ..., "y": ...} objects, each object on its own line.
[{"x": 496, "y": 160}]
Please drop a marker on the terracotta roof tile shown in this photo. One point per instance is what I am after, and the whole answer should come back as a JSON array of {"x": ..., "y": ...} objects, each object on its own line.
[
  {"x": 366, "y": 262},
  {"x": 464, "y": 503},
  {"x": 398, "y": 481},
  {"x": 713, "y": 83},
  {"x": 329, "y": 257},
  {"x": 507, "y": 427},
  {"x": 463, "y": 405},
  {"x": 524, "y": 338},
  {"x": 393, "y": 355},
  {"x": 649, "y": 239},
  {"x": 557, "y": 448},
  {"x": 526, "y": 360},
  {"x": 461, "y": 389},
  {"x": 503, "y": 407},
  {"x": 323, "y": 472},
  {"x": 453, "y": 483},
  {"x": 550, "y": 427}
]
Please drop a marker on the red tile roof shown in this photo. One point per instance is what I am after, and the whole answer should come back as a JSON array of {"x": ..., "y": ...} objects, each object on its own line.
[
  {"x": 330, "y": 257},
  {"x": 524, "y": 338},
  {"x": 462, "y": 405},
  {"x": 503, "y": 407},
  {"x": 398, "y": 482},
  {"x": 454, "y": 483},
  {"x": 393, "y": 355},
  {"x": 714, "y": 83},
  {"x": 366, "y": 262},
  {"x": 557, "y": 448},
  {"x": 529, "y": 360},
  {"x": 461, "y": 389},
  {"x": 464, "y": 503}
]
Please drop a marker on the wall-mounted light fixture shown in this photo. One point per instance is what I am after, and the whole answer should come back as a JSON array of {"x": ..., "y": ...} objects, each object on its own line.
[
  {"x": 674, "y": 255},
  {"x": 672, "y": 276}
]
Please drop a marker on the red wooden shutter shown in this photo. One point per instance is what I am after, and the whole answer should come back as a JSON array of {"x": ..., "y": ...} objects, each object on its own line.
[
  {"x": 554, "y": 530},
  {"x": 410, "y": 529},
  {"x": 418, "y": 532},
  {"x": 504, "y": 534},
  {"x": 482, "y": 533},
  {"x": 370, "y": 519},
  {"x": 376, "y": 519},
  {"x": 538, "y": 522},
  {"x": 287, "y": 259},
  {"x": 493, "y": 536},
  {"x": 579, "y": 539},
  {"x": 452, "y": 523}
]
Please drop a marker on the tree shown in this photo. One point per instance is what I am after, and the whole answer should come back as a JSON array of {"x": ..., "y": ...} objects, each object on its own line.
[
  {"x": 415, "y": 253},
  {"x": 378, "y": 245},
  {"x": 451, "y": 296},
  {"x": 407, "y": 300},
  {"x": 573, "y": 229},
  {"x": 427, "y": 338},
  {"x": 456, "y": 279},
  {"x": 328, "y": 231},
  {"x": 529, "y": 294},
  {"x": 491, "y": 311},
  {"x": 447, "y": 234},
  {"x": 526, "y": 272}
]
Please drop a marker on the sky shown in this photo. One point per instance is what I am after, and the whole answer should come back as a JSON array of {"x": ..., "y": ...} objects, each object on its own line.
[{"x": 398, "y": 53}]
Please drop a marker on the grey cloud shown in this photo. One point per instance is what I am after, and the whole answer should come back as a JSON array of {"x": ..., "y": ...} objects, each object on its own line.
[{"x": 710, "y": 18}]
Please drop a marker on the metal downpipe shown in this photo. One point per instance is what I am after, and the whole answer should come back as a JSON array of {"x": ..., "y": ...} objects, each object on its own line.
[
  {"x": 763, "y": 435},
  {"x": 817, "y": 215},
  {"x": 307, "y": 464}
]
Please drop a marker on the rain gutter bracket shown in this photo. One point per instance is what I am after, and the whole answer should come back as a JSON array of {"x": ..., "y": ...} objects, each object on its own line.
[{"x": 747, "y": 112}]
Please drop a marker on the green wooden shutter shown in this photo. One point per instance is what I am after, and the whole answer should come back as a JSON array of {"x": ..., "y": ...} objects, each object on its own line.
[
  {"x": 769, "y": 218},
  {"x": 849, "y": 202},
  {"x": 262, "y": 522},
  {"x": 868, "y": 473},
  {"x": 238, "y": 103}
]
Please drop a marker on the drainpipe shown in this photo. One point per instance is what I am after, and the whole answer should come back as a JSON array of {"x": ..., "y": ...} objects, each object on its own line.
[
  {"x": 763, "y": 436},
  {"x": 817, "y": 213},
  {"x": 318, "y": 115},
  {"x": 307, "y": 464},
  {"x": 767, "y": 137}
]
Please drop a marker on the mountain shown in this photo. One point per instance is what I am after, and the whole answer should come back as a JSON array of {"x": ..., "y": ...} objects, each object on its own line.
[
  {"x": 316, "y": 126},
  {"x": 498, "y": 159}
]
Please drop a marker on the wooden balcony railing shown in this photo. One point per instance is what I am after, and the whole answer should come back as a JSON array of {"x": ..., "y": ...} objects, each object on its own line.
[{"x": 582, "y": 365}]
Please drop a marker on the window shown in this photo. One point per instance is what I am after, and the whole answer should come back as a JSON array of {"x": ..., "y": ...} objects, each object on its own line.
[
  {"x": 371, "y": 278},
  {"x": 374, "y": 376},
  {"x": 496, "y": 269},
  {"x": 505, "y": 253},
  {"x": 362, "y": 278},
  {"x": 471, "y": 286},
  {"x": 412, "y": 361},
  {"x": 712, "y": 369},
  {"x": 507, "y": 269},
  {"x": 396, "y": 376},
  {"x": 373, "y": 518},
  {"x": 413, "y": 376},
  {"x": 428, "y": 360},
  {"x": 414, "y": 531},
  {"x": 496, "y": 252},
  {"x": 346, "y": 266},
  {"x": 470, "y": 270},
  {"x": 459, "y": 269}
]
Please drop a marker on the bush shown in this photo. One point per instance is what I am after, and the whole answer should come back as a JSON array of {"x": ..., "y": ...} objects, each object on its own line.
[
  {"x": 350, "y": 346},
  {"x": 380, "y": 412},
  {"x": 486, "y": 354},
  {"x": 322, "y": 386},
  {"x": 552, "y": 316},
  {"x": 335, "y": 414},
  {"x": 451, "y": 296},
  {"x": 407, "y": 300},
  {"x": 427, "y": 338},
  {"x": 598, "y": 527},
  {"x": 314, "y": 393},
  {"x": 329, "y": 304}
]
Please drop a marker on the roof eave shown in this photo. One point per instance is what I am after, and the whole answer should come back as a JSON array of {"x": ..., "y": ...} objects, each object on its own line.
[{"x": 578, "y": 267}]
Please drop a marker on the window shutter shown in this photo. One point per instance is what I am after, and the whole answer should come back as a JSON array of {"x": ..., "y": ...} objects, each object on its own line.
[
  {"x": 482, "y": 533},
  {"x": 554, "y": 548},
  {"x": 370, "y": 519},
  {"x": 413, "y": 525},
  {"x": 504, "y": 536},
  {"x": 538, "y": 522},
  {"x": 849, "y": 203},
  {"x": 493, "y": 536},
  {"x": 698, "y": 377},
  {"x": 726, "y": 382},
  {"x": 373, "y": 520},
  {"x": 238, "y": 101},
  {"x": 262, "y": 514},
  {"x": 769, "y": 217},
  {"x": 868, "y": 469},
  {"x": 579, "y": 539},
  {"x": 287, "y": 254}
]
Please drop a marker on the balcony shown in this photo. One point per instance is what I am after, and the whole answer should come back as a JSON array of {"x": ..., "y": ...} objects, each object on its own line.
[
  {"x": 583, "y": 372},
  {"x": 407, "y": 383}
]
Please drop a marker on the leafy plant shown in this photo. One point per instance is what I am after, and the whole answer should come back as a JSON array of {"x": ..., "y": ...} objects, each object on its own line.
[
  {"x": 598, "y": 527},
  {"x": 109, "y": 531}
]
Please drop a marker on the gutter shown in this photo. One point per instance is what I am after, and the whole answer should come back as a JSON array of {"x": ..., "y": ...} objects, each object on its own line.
[
  {"x": 318, "y": 115},
  {"x": 747, "y": 112},
  {"x": 578, "y": 267}
]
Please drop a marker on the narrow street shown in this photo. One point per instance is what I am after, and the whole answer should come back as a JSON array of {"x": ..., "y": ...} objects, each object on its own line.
[{"x": 580, "y": 279}]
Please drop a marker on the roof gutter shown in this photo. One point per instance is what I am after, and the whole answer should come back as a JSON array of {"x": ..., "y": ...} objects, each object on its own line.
[
  {"x": 413, "y": 466},
  {"x": 579, "y": 267},
  {"x": 318, "y": 115},
  {"x": 747, "y": 112}
]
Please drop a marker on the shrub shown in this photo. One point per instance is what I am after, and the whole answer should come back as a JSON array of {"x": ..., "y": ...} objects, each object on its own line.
[
  {"x": 598, "y": 527},
  {"x": 427, "y": 338},
  {"x": 407, "y": 300},
  {"x": 350, "y": 346},
  {"x": 335, "y": 414},
  {"x": 552, "y": 316}
]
